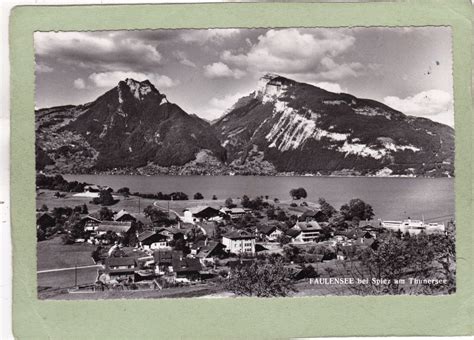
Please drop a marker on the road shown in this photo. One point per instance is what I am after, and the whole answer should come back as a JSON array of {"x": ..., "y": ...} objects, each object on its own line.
[{"x": 64, "y": 269}]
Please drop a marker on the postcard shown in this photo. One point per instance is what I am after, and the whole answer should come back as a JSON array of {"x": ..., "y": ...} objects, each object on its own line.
[
  {"x": 309, "y": 163},
  {"x": 245, "y": 162}
]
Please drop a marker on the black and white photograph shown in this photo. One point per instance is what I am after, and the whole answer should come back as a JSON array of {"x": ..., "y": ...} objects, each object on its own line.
[{"x": 244, "y": 162}]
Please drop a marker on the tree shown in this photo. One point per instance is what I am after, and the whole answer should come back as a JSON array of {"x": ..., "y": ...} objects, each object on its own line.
[
  {"x": 229, "y": 203},
  {"x": 298, "y": 193},
  {"x": 281, "y": 216},
  {"x": 245, "y": 201},
  {"x": 85, "y": 210},
  {"x": 105, "y": 214},
  {"x": 44, "y": 207},
  {"x": 357, "y": 208},
  {"x": 198, "y": 196},
  {"x": 327, "y": 209},
  {"x": 271, "y": 214},
  {"x": 261, "y": 279},
  {"x": 124, "y": 191},
  {"x": 214, "y": 197},
  {"x": 105, "y": 198},
  {"x": 338, "y": 221}
]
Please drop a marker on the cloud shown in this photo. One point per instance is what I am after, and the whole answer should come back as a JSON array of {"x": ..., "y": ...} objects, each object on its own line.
[
  {"x": 221, "y": 70},
  {"x": 331, "y": 87},
  {"x": 104, "y": 50},
  {"x": 41, "y": 68},
  {"x": 183, "y": 59},
  {"x": 79, "y": 84},
  {"x": 298, "y": 51},
  {"x": 218, "y": 106},
  {"x": 111, "y": 79},
  {"x": 217, "y": 36},
  {"x": 434, "y": 104}
]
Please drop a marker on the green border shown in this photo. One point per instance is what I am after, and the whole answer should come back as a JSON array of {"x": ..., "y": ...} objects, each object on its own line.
[{"x": 232, "y": 318}]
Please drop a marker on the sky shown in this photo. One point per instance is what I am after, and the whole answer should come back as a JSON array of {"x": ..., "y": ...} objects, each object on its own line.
[{"x": 206, "y": 71}]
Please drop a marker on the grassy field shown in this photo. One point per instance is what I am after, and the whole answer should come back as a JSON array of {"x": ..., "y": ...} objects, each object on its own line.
[
  {"x": 176, "y": 292},
  {"x": 135, "y": 205},
  {"x": 53, "y": 254},
  {"x": 66, "y": 278}
]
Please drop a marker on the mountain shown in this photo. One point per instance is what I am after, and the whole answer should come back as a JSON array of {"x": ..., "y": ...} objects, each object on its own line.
[
  {"x": 301, "y": 128},
  {"x": 131, "y": 126},
  {"x": 283, "y": 127}
]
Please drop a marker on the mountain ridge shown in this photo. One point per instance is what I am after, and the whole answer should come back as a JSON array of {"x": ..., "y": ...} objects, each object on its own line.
[{"x": 283, "y": 127}]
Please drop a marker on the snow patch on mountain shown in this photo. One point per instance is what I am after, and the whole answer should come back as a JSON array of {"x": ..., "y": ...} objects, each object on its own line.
[{"x": 363, "y": 150}]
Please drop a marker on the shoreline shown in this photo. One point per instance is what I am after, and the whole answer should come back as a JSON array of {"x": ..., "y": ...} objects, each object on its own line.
[{"x": 47, "y": 173}]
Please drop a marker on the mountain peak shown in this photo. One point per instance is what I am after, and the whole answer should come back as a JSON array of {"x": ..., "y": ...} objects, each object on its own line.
[
  {"x": 270, "y": 86},
  {"x": 139, "y": 89}
]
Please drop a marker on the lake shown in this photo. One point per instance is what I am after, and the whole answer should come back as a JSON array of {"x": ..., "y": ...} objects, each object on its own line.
[{"x": 391, "y": 198}]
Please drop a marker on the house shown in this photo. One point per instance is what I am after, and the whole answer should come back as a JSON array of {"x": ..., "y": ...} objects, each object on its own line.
[
  {"x": 124, "y": 216},
  {"x": 44, "y": 220},
  {"x": 150, "y": 240},
  {"x": 172, "y": 233},
  {"x": 305, "y": 232},
  {"x": 163, "y": 260},
  {"x": 186, "y": 269},
  {"x": 201, "y": 213},
  {"x": 269, "y": 233},
  {"x": 119, "y": 228},
  {"x": 90, "y": 223},
  {"x": 210, "y": 251},
  {"x": 312, "y": 215},
  {"x": 372, "y": 226},
  {"x": 239, "y": 241},
  {"x": 234, "y": 213},
  {"x": 121, "y": 268}
]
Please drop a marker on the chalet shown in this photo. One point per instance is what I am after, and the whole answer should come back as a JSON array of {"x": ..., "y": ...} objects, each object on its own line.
[
  {"x": 121, "y": 268},
  {"x": 239, "y": 241},
  {"x": 44, "y": 220},
  {"x": 234, "y": 213},
  {"x": 269, "y": 233},
  {"x": 312, "y": 215},
  {"x": 119, "y": 228},
  {"x": 172, "y": 233},
  {"x": 202, "y": 213},
  {"x": 150, "y": 240},
  {"x": 164, "y": 260},
  {"x": 90, "y": 223},
  {"x": 371, "y": 226},
  {"x": 210, "y": 251},
  {"x": 124, "y": 216},
  {"x": 186, "y": 269},
  {"x": 305, "y": 232}
]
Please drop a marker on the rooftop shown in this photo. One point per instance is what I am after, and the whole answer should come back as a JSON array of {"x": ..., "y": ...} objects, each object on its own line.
[{"x": 238, "y": 234}]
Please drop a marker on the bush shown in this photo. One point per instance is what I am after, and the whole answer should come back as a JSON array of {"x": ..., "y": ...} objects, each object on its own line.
[
  {"x": 298, "y": 193},
  {"x": 198, "y": 196}
]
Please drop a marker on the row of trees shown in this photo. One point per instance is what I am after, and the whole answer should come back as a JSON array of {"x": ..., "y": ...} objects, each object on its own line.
[{"x": 58, "y": 182}]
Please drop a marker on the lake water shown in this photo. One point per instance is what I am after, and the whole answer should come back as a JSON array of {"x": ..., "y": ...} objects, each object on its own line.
[{"x": 391, "y": 198}]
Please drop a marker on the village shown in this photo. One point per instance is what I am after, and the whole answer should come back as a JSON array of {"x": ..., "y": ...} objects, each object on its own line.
[{"x": 204, "y": 243}]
